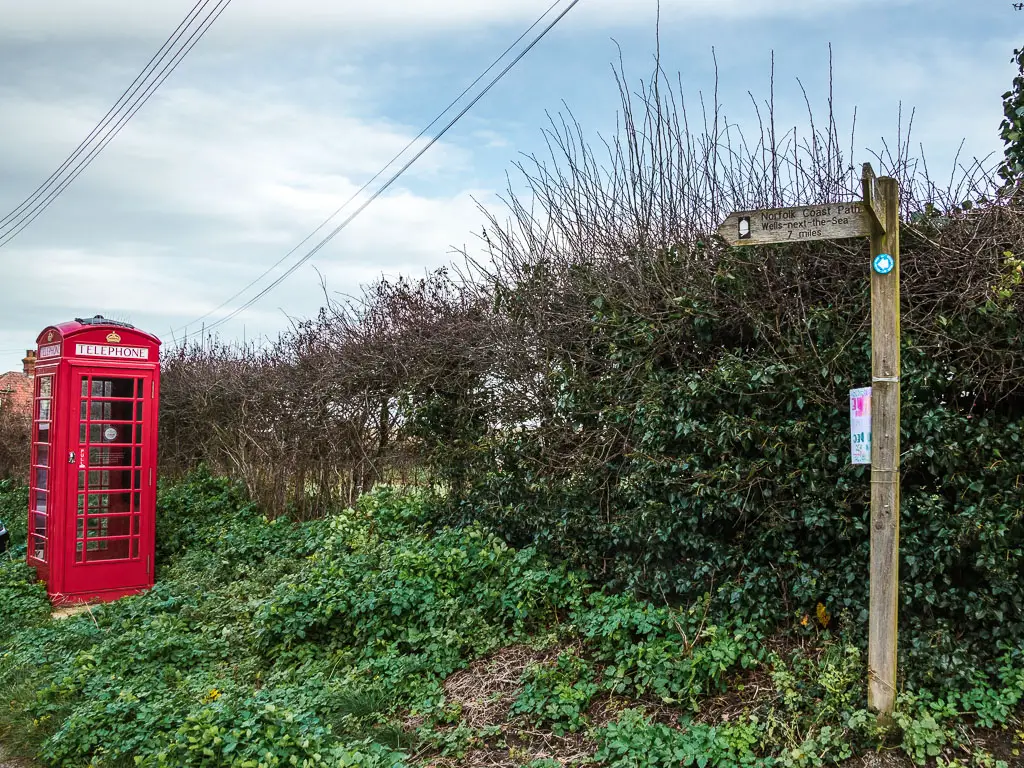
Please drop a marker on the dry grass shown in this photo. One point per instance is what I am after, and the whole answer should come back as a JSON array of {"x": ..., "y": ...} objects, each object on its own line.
[
  {"x": 486, "y": 689},
  {"x": 485, "y": 692},
  {"x": 69, "y": 610}
]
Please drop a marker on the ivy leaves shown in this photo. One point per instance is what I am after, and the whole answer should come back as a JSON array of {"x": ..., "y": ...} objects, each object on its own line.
[{"x": 1011, "y": 129}]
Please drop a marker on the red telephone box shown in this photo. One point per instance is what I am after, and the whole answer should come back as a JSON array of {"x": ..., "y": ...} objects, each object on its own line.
[{"x": 92, "y": 497}]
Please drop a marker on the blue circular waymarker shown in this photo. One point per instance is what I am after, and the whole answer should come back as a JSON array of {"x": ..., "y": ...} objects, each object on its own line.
[{"x": 883, "y": 263}]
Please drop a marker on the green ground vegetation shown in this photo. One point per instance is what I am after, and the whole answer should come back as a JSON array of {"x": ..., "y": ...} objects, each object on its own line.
[{"x": 378, "y": 637}]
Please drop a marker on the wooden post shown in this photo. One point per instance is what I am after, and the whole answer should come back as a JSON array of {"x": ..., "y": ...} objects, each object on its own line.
[{"x": 885, "y": 441}]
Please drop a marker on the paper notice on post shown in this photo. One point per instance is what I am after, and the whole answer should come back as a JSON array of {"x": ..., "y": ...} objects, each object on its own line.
[{"x": 860, "y": 425}]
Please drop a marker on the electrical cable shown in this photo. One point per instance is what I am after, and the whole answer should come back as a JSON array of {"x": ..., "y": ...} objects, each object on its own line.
[
  {"x": 27, "y": 218},
  {"x": 319, "y": 246},
  {"x": 377, "y": 175},
  {"x": 33, "y": 206},
  {"x": 102, "y": 123}
]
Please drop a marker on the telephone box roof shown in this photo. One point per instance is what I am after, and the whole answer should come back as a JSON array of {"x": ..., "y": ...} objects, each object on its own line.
[{"x": 96, "y": 323}]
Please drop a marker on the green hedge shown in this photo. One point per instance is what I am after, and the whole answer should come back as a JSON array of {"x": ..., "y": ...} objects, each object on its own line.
[{"x": 700, "y": 442}]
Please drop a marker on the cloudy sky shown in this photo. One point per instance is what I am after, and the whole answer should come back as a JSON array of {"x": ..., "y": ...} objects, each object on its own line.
[{"x": 284, "y": 109}]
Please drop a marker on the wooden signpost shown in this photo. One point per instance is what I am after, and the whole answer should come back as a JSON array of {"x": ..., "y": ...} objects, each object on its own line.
[
  {"x": 885, "y": 441},
  {"x": 876, "y": 217}
]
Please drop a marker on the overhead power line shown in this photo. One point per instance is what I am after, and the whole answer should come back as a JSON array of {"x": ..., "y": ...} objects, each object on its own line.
[
  {"x": 379, "y": 173},
  {"x": 394, "y": 177},
  {"x": 152, "y": 76}
]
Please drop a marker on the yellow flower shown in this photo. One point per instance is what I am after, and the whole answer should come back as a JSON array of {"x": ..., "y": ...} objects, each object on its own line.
[
  {"x": 213, "y": 695},
  {"x": 823, "y": 615}
]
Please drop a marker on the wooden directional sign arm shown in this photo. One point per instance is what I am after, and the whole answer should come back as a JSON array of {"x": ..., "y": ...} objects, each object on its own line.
[{"x": 828, "y": 221}]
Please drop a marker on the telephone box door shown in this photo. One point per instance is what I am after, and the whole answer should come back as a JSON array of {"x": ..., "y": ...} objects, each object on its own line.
[{"x": 112, "y": 534}]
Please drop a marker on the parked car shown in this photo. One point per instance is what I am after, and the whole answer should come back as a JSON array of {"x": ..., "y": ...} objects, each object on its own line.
[{"x": 5, "y": 538}]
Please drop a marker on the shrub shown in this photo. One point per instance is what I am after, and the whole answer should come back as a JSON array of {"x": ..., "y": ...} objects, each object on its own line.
[
  {"x": 413, "y": 606},
  {"x": 634, "y": 741},
  {"x": 15, "y": 445},
  {"x": 558, "y": 694}
]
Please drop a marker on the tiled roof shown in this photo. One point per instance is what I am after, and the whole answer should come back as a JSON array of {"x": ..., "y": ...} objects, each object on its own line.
[{"x": 16, "y": 391}]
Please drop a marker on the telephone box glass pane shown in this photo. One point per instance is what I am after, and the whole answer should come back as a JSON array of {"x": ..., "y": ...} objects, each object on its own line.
[
  {"x": 103, "y": 503},
  {"x": 118, "y": 433},
  {"x": 123, "y": 411},
  {"x": 113, "y": 387},
  {"x": 42, "y": 479},
  {"x": 45, "y": 386},
  {"x": 110, "y": 525},
  {"x": 110, "y": 410},
  {"x": 44, "y": 432},
  {"x": 109, "y": 433},
  {"x": 39, "y": 548},
  {"x": 110, "y": 457},
  {"x": 106, "y": 549},
  {"x": 43, "y": 455},
  {"x": 39, "y": 524},
  {"x": 116, "y": 479},
  {"x": 39, "y": 501},
  {"x": 44, "y": 410}
]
